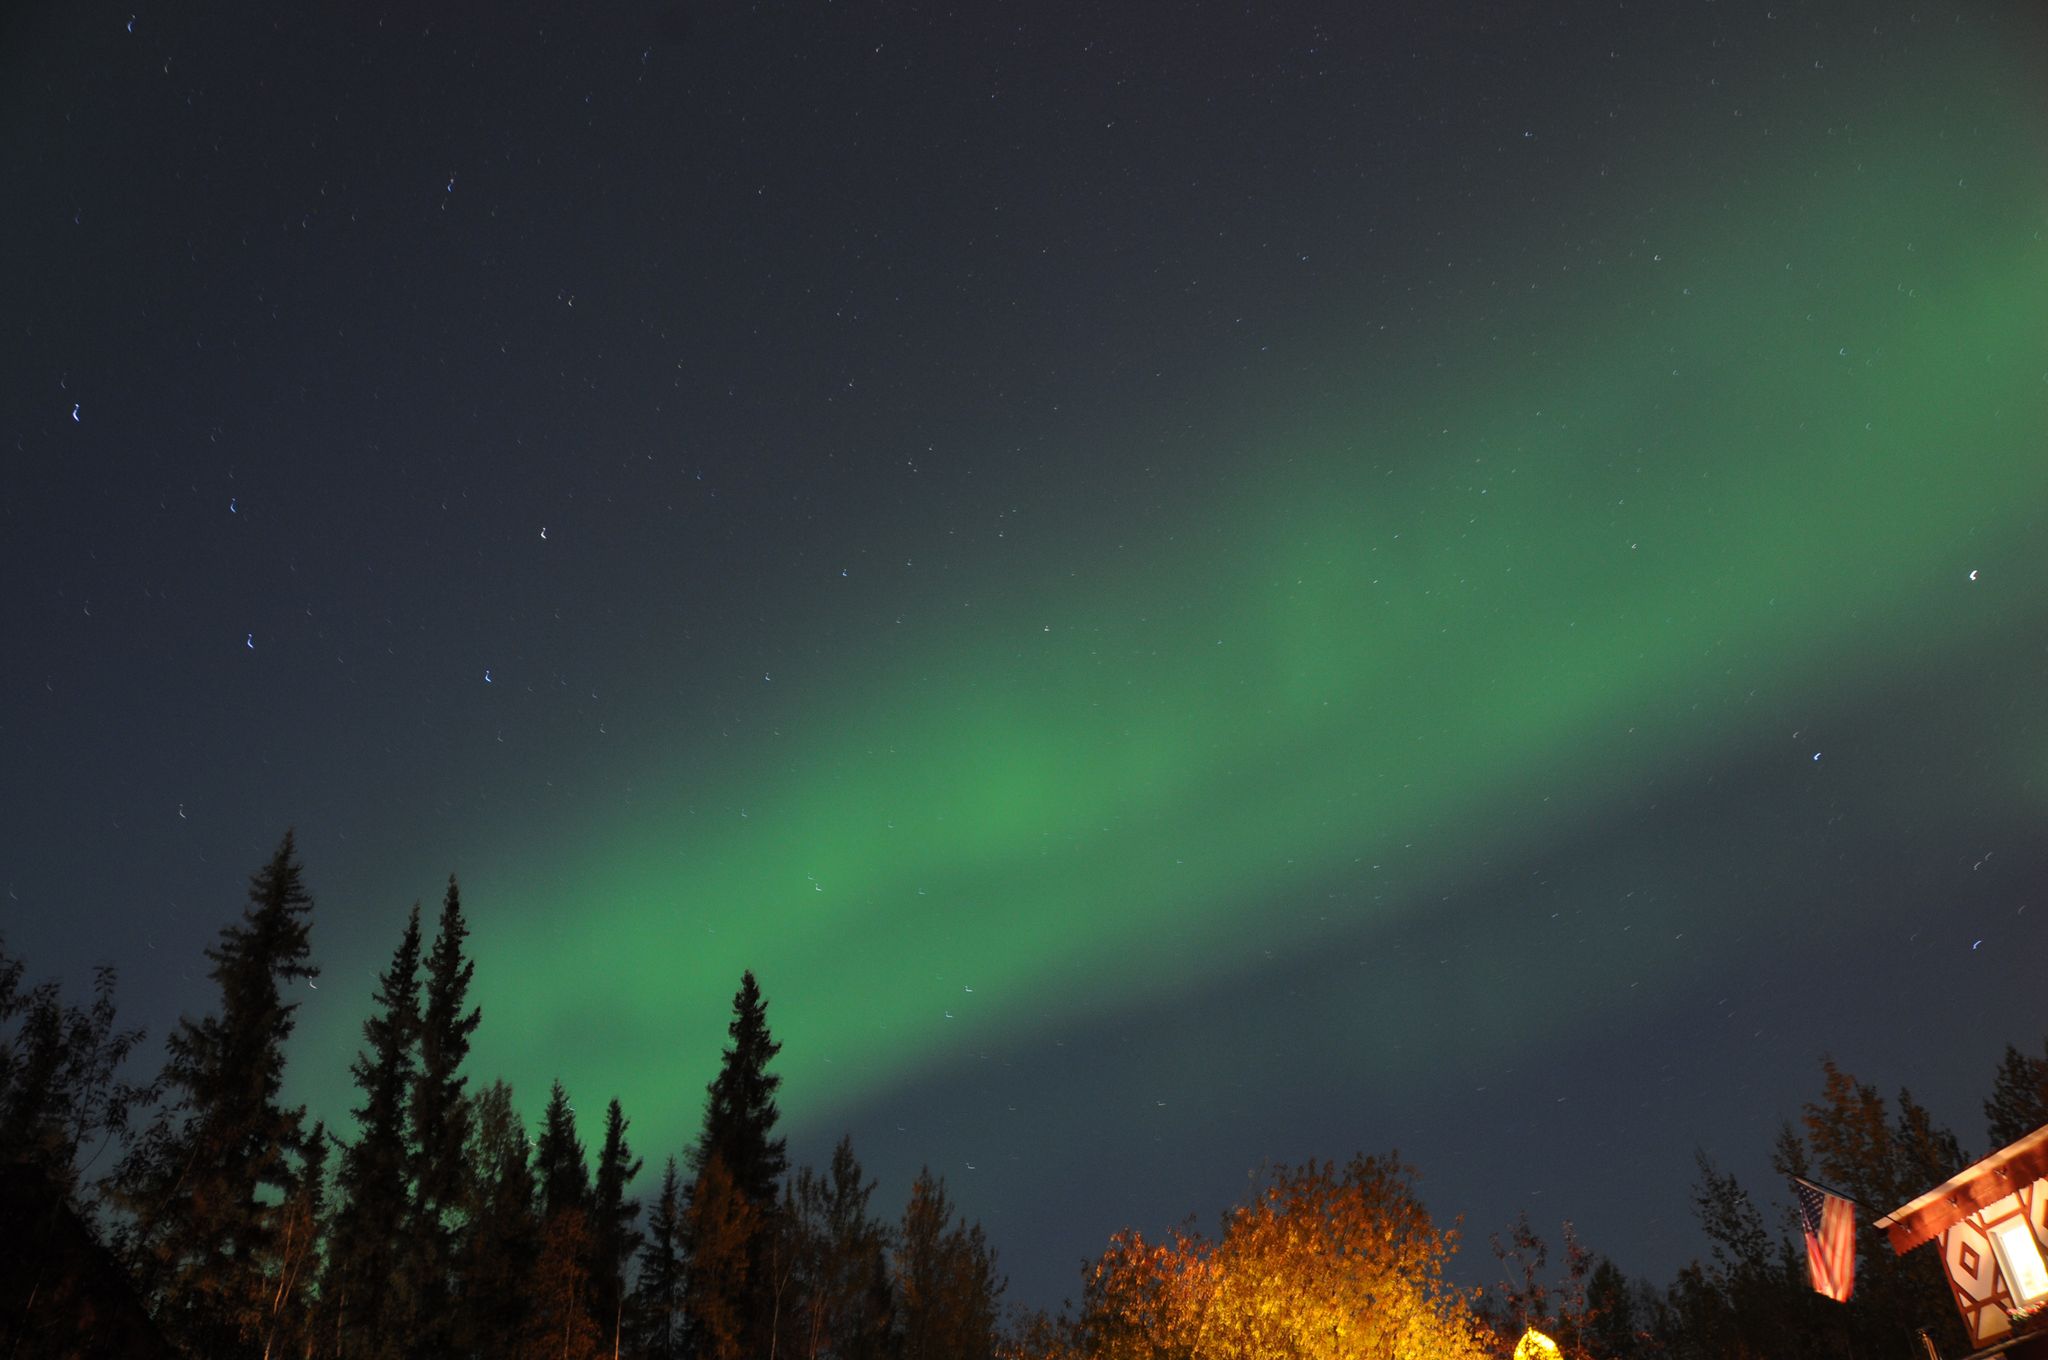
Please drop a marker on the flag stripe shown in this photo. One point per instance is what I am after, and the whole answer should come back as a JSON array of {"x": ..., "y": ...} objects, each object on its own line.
[{"x": 1829, "y": 1224}]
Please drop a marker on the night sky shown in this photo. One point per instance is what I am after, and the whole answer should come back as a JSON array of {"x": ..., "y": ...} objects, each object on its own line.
[{"x": 1185, "y": 584}]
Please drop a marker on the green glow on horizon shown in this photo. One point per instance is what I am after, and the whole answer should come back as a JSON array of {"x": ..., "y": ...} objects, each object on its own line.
[{"x": 1461, "y": 626}]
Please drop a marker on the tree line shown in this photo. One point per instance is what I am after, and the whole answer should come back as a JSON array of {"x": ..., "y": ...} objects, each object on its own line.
[
  {"x": 1325, "y": 1261},
  {"x": 1751, "y": 1296},
  {"x": 441, "y": 1229}
]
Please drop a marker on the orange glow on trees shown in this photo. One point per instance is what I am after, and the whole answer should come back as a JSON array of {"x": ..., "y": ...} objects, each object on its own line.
[{"x": 1323, "y": 1262}]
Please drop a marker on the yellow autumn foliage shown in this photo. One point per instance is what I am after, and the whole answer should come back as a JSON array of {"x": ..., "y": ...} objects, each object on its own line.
[{"x": 1323, "y": 1262}]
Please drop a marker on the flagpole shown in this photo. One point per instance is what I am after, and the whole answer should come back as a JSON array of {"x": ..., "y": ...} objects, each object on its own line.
[{"x": 1826, "y": 1190}]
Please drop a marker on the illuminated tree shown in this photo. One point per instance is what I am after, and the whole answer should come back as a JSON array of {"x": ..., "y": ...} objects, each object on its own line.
[
  {"x": 294, "y": 1319},
  {"x": 721, "y": 1226},
  {"x": 1323, "y": 1262},
  {"x": 558, "y": 1324}
]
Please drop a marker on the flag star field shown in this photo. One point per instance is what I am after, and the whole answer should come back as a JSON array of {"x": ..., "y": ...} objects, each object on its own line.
[{"x": 1183, "y": 589}]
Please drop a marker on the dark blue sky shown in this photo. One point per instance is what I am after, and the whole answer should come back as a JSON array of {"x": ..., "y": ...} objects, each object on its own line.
[{"x": 532, "y": 447}]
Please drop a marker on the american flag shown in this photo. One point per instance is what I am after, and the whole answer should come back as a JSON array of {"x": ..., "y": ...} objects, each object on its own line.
[{"x": 1829, "y": 1222}]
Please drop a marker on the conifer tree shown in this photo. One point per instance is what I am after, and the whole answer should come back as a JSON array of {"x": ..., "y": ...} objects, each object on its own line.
[
  {"x": 739, "y": 1136},
  {"x": 561, "y": 1321},
  {"x": 1617, "y": 1325},
  {"x": 658, "y": 1295},
  {"x": 206, "y": 1191},
  {"x": 500, "y": 1243},
  {"x": 375, "y": 1306},
  {"x": 739, "y": 1119},
  {"x": 613, "y": 1239},
  {"x": 2019, "y": 1096},
  {"x": 558, "y": 1165},
  {"x": 440, "y": 1120}
]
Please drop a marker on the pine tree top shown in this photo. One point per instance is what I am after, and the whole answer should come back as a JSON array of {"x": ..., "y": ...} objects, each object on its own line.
[{"x": 740, "y": 1115}]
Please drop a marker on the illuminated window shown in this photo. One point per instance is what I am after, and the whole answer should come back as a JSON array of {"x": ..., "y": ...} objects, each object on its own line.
[{"x": 2020, "y": 1260}]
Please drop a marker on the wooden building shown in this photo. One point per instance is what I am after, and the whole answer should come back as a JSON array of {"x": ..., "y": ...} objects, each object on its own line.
[{"x": 1991, "y": 1221}]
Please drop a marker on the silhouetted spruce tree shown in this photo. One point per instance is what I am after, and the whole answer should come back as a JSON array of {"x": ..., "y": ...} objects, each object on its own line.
[
  {"x": 440, "y": 1122},
  {"x": 375, "y": 1304},
  {"x": 205, "y": 1193},
  {"x": 558, "y": 1163},
  {"x": 613, "y": 1239},
  {"x": 500, "y": 1243},
  {"x": 2019, "y": 1096},
  {"x": 658, "y": 1293},
  {"x": 739, "y": 1134},
  {"x": 740, "y": 1117},
  {"x": 561, "y": 1320},
  {"x": 947, "y": 1289}
]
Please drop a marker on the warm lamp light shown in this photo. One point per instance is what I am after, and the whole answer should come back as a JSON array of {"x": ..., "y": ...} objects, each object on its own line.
[{"x": 1534, "y": 1345}]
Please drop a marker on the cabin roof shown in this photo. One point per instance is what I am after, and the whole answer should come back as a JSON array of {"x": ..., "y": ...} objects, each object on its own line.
[{"x": 1975, "y": 1187}]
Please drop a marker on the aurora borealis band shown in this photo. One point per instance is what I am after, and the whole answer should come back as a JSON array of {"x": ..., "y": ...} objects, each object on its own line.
[{"x": 1299, "y": 585}]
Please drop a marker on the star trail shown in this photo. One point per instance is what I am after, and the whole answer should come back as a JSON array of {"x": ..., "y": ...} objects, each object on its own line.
[{"x": 1272, "y": 585}]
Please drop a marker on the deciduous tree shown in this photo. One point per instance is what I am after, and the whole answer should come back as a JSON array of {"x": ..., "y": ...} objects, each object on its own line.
[
  {"x": 1323, "y": 1262},
  {"x": 1856, "y": 1147},
  {"x": 2019, "y": 1096},
  {"x": 721, "y": 1225},
  {"x": 842, "y": 1304},
  {"x": 558, "y": 1323},
  {"x": 61, "y": 1089},
  {"x": 947, "y": 1289}
]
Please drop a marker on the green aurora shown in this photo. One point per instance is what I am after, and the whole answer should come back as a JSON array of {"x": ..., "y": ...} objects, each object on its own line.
[{"x": 1600, "y": 520}]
